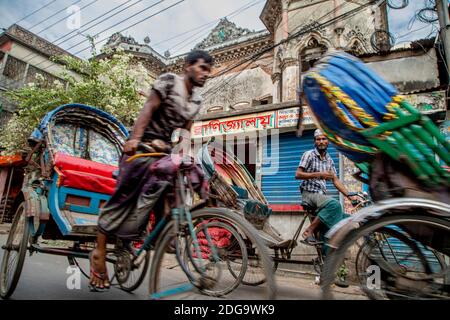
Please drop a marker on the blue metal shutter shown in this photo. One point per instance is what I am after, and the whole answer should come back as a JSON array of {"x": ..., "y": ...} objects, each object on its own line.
[{"x": 281, "y": 187}]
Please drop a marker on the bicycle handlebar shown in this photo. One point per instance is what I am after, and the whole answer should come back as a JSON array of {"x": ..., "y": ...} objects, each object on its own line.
[
  {"x": 145, "y": 147},
  {"x": 357, "y": 194}
]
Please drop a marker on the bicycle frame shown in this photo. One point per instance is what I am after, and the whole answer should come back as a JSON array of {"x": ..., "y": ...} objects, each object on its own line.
[
  {"x": 182, "y": 218},
  {"x": 308, "y": 215}
]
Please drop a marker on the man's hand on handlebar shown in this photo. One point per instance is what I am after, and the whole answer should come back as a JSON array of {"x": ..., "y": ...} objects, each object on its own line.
[
  {"x": 131, "y": 147},
  {"x": 355, "y": 198}
]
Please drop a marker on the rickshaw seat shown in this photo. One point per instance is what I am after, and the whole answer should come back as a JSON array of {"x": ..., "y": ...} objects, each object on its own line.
[{"x": 84, "y": 174}]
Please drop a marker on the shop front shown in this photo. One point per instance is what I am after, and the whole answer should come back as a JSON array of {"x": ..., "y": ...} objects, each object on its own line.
[{"x": 267, "y": 144}]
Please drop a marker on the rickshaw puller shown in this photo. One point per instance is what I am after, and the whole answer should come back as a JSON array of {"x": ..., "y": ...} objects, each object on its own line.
[{"x": 171, "y": 104}]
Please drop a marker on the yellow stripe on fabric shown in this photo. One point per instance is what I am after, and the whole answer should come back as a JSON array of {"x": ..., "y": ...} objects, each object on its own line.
[{"x": 354, "y": 108}]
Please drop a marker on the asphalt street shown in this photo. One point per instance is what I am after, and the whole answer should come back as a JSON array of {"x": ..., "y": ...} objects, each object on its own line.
[{"x": 45, "y": 277}]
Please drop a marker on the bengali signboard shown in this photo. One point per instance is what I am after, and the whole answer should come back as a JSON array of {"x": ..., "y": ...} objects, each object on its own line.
[{"x": 283, "y": 118}]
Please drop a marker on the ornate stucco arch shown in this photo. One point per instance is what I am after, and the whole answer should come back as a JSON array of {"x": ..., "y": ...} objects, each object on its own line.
[
  {"x": 311, "y": 49},
  {"x": 313, "y": 36},
  {"x": 356, "y": 46}
]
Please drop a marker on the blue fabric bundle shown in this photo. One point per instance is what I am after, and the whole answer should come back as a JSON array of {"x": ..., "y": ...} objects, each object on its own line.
[{"x": 338, "y": 81}]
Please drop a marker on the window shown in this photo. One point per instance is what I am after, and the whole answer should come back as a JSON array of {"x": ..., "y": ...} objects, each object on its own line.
[
  {"x": 310, "y": 55},
  {"x": 14, "y": 68},
  {"x": 48, "y": 78}
]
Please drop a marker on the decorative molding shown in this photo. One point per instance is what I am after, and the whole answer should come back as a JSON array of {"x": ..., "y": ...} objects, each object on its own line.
[
  {"x": 117, "y": 38},
  {"x": 276, "y": 77},
  {"x": 289, "y": 62},
  {"x": 223, "y": 32},
  {"x": 339, "y": 31},
  {"x": 271, "y": 14},
  {"x": 354, "y": 32}
]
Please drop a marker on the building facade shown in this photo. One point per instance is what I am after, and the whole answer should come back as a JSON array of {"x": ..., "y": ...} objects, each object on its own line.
[
  {"x": 23, "y": 55},
  {"x": 251, "y": 102}
]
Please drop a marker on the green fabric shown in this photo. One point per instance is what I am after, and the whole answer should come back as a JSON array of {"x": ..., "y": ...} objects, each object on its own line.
[{"x": 331, "y": 213}]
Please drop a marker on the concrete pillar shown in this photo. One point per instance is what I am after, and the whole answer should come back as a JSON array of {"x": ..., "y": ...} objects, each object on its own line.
[
  {"x": 285, "y": 21},
  {"x": 276, "y": 77},
  {"x": 290, "y": 80}
]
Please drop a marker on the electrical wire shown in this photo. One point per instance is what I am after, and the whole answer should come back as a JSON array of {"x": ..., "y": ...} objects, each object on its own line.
[
  {"x": 34, "y": 55},
  {"x": 404, "y": 4},
  {"x": 98, "y": 17},
  {"x": 140, "y": 21},
  {"x": 136, "y": 23},
  {"x": 116, "y": 24},
  {"x": 235, "y": 13},
  {"x": 231, "y": 14},
  {"x": 151, "y": 6},
  {"x": 35, "y": 11},
  {"x": 51, "y": 16},
  {"x": 306, "y": 29},
  {"x": 65, "y": 17},
  {"x": 427, "y": 15}
]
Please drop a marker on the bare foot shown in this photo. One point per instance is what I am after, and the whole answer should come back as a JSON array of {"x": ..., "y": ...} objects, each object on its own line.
[
  {"x": 308, "y": 232},
  {"x": 99, "y": 274}
]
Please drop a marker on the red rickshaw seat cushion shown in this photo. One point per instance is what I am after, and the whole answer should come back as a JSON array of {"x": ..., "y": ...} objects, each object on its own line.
[{"x": 84, "y": 174}]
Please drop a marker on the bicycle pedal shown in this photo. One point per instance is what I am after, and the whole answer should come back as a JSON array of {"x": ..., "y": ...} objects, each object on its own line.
[{"x": 315, "y": 244}]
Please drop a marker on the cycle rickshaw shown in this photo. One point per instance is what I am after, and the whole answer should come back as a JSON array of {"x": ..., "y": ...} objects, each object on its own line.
[
  {"x": 70, "y": 174},
  {"x": 399, "y": 246}
]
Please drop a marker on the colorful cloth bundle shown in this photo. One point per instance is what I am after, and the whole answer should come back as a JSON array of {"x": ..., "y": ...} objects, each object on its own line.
[{"x": 362, "y": 115}]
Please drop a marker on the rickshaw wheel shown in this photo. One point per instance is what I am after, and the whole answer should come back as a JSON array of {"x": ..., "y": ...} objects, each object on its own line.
[
  {"x": 14, "y": 252},
  {"x": 128, "y": 276}
]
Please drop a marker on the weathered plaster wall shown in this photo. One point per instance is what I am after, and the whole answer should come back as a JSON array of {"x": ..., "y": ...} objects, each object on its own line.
[
  {"x": 236, "y": 88},
  {"x": 354, "y": 32},
  {"x": 411, "y": 72},
  {"x": 41, "y": 62}
]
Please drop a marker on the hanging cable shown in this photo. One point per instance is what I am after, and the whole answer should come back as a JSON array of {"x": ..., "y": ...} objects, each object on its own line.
[
  {"x": 65, "y": 17},
  {"x": 51, "y": 16},
  {"x": 427, "y": 15},
  {"x": 397, "y": 4},
  {"x": 304, "y": 30},
  {"x": 35, "y": 11}
]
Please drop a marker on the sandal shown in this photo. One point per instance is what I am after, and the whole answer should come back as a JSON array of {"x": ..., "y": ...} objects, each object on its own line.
[
  {"x": 100, "y": 275},
  {"x": 310, "y": 240}
]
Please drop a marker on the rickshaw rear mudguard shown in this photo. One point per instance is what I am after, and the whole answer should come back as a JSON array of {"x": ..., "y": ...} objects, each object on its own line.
[
  {"x": 36, "y": 206},
  {"x": 381, "y": 208}
]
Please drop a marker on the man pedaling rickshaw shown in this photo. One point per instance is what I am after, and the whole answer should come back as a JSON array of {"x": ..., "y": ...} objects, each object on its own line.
[
  {"x": 171, "y": 104},
  {"x": 315, "y": 168}
]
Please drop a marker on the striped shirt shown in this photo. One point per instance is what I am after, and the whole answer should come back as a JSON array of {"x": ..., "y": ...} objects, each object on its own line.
[{"x": 312, "y": 162}]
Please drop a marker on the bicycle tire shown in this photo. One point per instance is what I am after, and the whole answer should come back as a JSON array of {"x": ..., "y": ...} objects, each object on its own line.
[
  {"x": 250, "y": 281},
  {"x": 407, "y": 241},
  {"x": 243, "y": 256},
  {"x": 336, "y": 255},
  {"x": 7, "y": 287},
  {"x": 221, "y": 214},
  {"x": 129, "y": 285}
]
